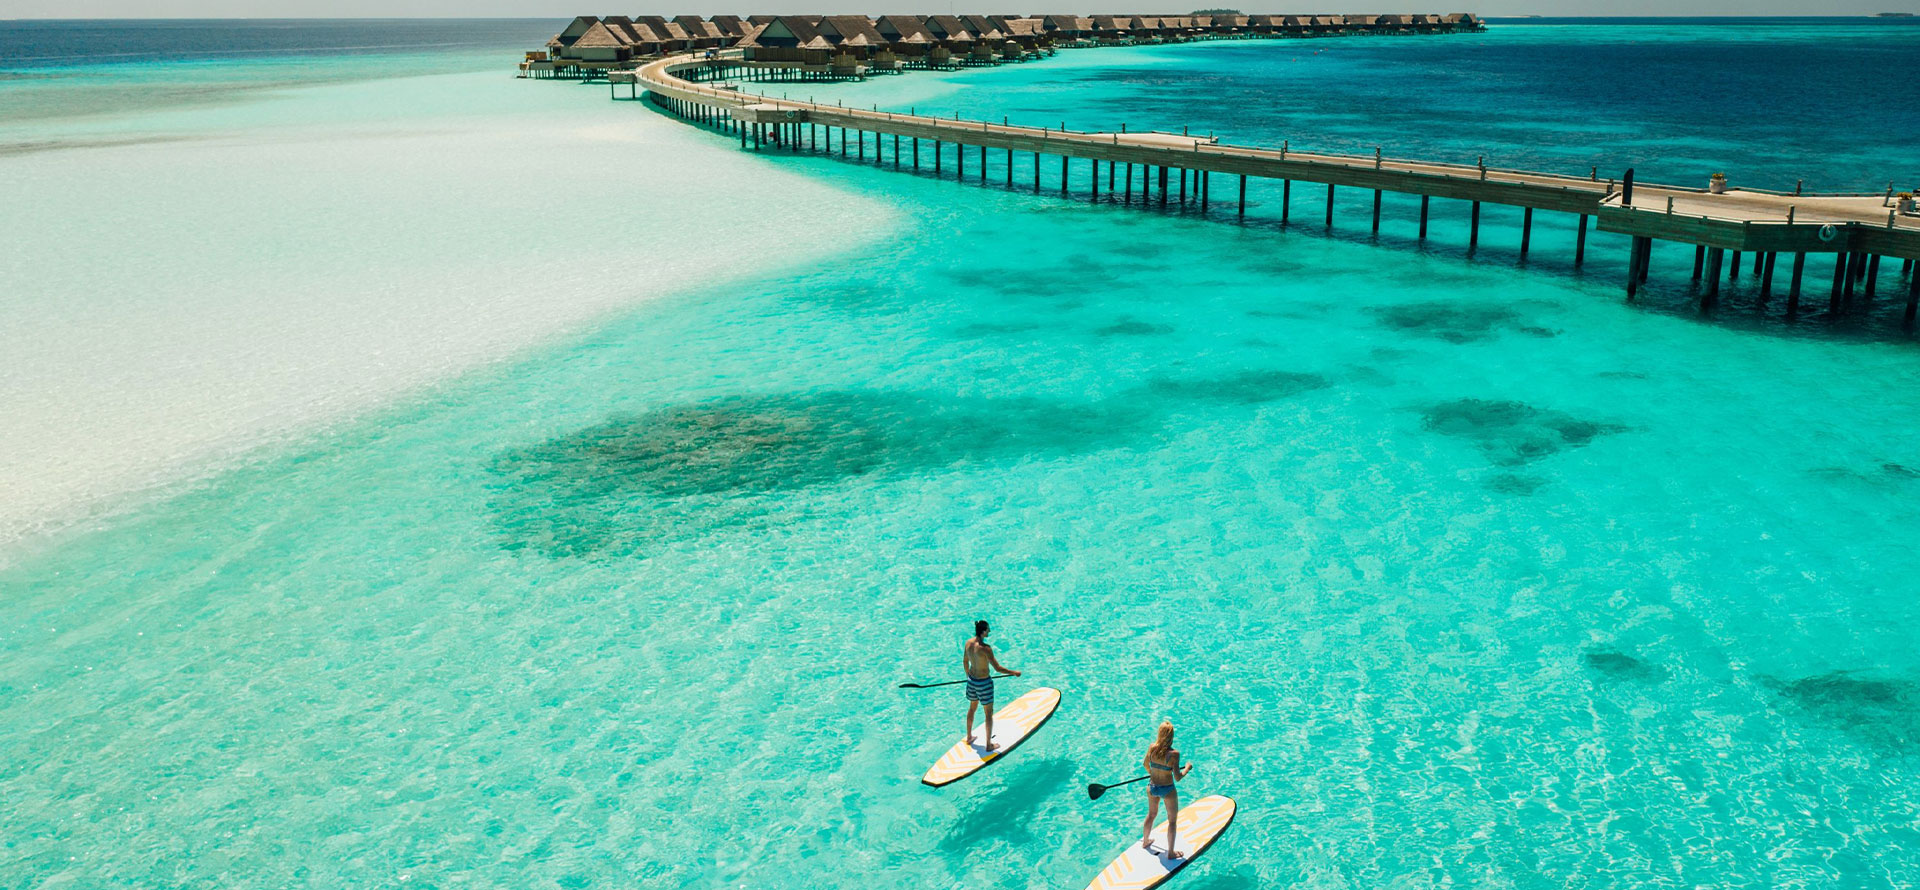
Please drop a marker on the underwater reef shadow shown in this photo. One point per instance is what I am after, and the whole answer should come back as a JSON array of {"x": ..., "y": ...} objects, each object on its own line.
[
  {"x": 1513, "y": 433},
  {"x": 686, "y": 469},
  {"x": 1251, "y": 387},
  {"x": 1455, "y": 323},
  {"x": 1883, "y": 714},
  {"x": 1617, "y": 665}
]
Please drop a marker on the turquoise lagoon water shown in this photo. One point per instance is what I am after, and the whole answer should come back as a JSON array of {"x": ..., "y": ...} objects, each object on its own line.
[{"x": 1453, "y": 570}]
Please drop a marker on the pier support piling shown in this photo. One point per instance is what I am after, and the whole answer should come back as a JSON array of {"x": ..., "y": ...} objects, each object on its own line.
[
  {"x": 1715, "y": 256},
  {"x": 1286, "y": 199},
  {"x": 1634, "y": 259},
  {"x": 1243, "y": 196},
  {"x": 1579, "y": 242},
  {"x": 1699, "y": 260},
  {"x": 1424, "y": 201},
  {"x": 1063, "y": 175},
  {"x": 1473, "y": 228},
  {"x": 1163, "y": 186},
  {"x": 1793, "y": 286},
  {"x": 1763, "y": 261},
  {"x": 1873, "y": 275},
  {"x": 1839, "y": 281},
  {"x": 1913, "y": 296},
  {"x": 1526, "y": 231},
  {"x": 1733, "y": 273},
  {"x": 1376, "y": 211},
  {"x": 1329, "y": 205}
]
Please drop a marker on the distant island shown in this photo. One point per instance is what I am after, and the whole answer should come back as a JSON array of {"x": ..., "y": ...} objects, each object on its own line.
[{"x": 1894, "y": 15}]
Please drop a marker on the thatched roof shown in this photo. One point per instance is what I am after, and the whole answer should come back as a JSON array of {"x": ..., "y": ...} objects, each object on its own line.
[
  {"x": 698, "y": 28},
  {"x": 948, "y": 27},
  {"x": 903, "y": 29},
  {"x": 1026, "y": 27},
  {"x": 601, "y": 37},
  {"x": 660, "y": 26},
  {"x": 985, "y": 26},
  {"x": 1071, "y": 24},
  {"x": 731, "y": 25},
  {"x": 788, "y": 31},
  {"x": 850, "y": 30}
]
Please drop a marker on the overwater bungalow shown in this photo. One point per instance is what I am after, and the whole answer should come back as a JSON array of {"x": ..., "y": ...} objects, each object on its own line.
[
  {"x": 908, "y": 39},
  {"x": 1109, "y": 30},
  {"x": 854, "y": 41},
  {"x": 852, "y": 44},
  {"x": 1027, "y": 35},
  {"x": 598, "y": 49},
  {"x": 990, "y": 42},
  {"x": 953, "y": 41},
  {"x": 789, "y": 38},
  {"x": 1067, "y": 28}
]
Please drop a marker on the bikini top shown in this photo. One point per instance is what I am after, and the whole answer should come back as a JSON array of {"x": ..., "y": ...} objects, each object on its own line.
[{"x": 1158, "y": 765}]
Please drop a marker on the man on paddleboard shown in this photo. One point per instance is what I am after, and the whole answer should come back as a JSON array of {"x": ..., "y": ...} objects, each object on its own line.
[{"x": 977, "y": 660}]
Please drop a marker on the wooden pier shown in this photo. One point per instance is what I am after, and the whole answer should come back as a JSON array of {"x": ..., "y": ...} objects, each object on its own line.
[{"x": 1855, "y": 229}]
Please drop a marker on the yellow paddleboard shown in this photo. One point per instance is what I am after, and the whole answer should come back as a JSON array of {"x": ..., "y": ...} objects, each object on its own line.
[
  {"x": 1011, "y": 726},
  {"x": 1143, "y": 868}
]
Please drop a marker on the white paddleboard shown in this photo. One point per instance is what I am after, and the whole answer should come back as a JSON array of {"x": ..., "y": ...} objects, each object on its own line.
[
  {"x": 1201, "y": 823},
  {"x": 1012, "y": 725}
]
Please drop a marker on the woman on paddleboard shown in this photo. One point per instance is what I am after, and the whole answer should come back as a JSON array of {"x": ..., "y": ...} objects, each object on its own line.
[{"x": 1163, "y": 770}]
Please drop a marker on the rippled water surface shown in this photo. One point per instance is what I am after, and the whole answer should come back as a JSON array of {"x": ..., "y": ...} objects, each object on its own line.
[{"x": 1455, "y": 569}]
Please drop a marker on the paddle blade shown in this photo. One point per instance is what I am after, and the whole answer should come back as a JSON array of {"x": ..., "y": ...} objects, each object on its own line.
[{"x": 1094, "y": 791}]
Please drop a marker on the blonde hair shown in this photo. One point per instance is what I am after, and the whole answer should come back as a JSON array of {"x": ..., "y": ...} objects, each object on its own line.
[{"x": 1162, "y": 742}]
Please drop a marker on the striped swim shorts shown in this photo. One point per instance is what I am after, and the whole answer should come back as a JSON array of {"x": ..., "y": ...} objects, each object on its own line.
[{"x": 980, "y": 690}]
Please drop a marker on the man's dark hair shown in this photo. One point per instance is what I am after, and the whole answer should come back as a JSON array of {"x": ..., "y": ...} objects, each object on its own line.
[{"x": 979, "y": 628}]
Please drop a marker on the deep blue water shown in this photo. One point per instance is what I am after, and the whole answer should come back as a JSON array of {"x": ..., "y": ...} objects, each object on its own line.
[{"x": 1833, "y": 101}]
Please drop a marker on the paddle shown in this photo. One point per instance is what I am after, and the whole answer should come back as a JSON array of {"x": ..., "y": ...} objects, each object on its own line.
[
  {"x": 948, "y": 683},
  {"x": 1095, "y": 789}
]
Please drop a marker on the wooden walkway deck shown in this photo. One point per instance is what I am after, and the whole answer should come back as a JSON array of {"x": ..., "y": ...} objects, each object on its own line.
[{"x": 1858, "y": 229}]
